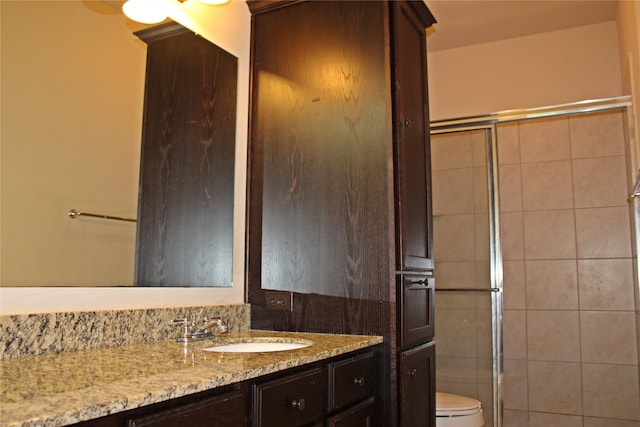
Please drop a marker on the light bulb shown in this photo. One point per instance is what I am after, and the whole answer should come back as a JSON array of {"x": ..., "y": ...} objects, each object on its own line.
[
  {"x": 144, "y": 11},
  {"x": 213, "y": 1}
]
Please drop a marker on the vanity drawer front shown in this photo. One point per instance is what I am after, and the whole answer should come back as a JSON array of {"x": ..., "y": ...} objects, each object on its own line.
[
  {"x": 297, "y": 398},
  {"x": 227, "y": 410},
  {"x": 351, "y": 380},
  {"x": 362, "y": 415}
]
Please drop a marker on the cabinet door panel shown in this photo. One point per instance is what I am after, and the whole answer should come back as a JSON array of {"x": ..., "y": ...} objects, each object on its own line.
[
  {"x": 228, "y": 410},
  {"x": 417, "y": 307},
  {"x": 418, "y": 387},
  {"x": 319, "y": 190},
  {"x": 412, "y": 151}
]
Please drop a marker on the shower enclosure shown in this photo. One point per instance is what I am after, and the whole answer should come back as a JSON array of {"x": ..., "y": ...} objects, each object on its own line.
[
  {"x": 555, "y": 159},
  {"x": 468, "y": 264}
]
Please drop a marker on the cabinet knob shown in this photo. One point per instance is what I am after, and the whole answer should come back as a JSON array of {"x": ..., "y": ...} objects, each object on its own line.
[
  {"x": 359, "y": 381},
  {"x": 412, "y": 372},
  {"x": 406, "y": 123},
  {"x": 298, "y": 404}
]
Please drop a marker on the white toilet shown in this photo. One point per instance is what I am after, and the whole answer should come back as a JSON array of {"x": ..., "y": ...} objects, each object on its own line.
[{"x": 453, "y": 410}]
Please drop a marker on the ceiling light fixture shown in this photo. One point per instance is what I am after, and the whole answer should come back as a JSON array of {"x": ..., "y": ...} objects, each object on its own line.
[{"x": 151, "y": 11}]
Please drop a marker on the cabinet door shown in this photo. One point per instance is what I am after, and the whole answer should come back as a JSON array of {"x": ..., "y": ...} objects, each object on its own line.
[
  {"x": 412, "y": 148},
  {"x": 417, "y": 310},
  {"x": 418, "y": 387},
  {"x": 319, "y": 150},
  {"x": 228, "y": 410}
]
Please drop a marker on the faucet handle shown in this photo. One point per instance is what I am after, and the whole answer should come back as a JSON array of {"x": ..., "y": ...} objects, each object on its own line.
[
  {"x": 222, "y": 326},
  {"x": 186, "y": 326}
]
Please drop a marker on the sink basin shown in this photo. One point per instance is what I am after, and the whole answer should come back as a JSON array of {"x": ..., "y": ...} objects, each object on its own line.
[{"x": 259, "y": 345}]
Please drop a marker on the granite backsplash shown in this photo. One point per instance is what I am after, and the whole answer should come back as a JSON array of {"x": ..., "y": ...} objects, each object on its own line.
[{"x": 46, "y": 333}]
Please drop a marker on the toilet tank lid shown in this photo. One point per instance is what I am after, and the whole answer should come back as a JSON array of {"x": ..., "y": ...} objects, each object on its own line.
[{"x": 455, "y": 402}]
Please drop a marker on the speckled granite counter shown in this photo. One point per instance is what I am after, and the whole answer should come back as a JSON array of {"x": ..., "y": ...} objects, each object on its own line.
[{"x": 60, "y": 389}]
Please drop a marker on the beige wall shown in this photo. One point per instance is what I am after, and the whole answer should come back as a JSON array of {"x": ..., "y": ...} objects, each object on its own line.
[
  {"x": 629, "y": 36},
  {"x": 534, "y": 71},
  {"x": 229, "y": 27},
  {"x": 72, "y": 92}
]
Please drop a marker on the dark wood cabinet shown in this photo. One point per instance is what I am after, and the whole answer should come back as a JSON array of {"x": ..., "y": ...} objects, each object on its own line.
[
  {"x": 226, "y": 410},
  {"x": 339, "y": 196},
  {"x": 414, "y": 234},
  {"x": 224, "y": 407},
  {"x": 341, "y": 391},
  {"x": 298, "y": 399},
  {"x": 185, "y": 207},
  {"x": 417, "y": 309},
  {"x": 351, "y": 380},
  {"x": 361, "y": 415},
  {"x": 417, "y": 386}
]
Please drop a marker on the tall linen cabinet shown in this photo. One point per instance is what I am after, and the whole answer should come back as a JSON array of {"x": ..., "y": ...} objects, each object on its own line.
[{"x": 339, "y": 202}]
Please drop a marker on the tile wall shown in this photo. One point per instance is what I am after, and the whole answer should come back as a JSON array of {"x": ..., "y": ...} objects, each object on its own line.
[{"x": 570, "y": 341}]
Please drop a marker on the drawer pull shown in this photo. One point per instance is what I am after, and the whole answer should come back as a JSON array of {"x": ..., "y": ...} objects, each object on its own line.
[
  {"x": 359, "y": 381},
  {"x": 298, "y": 404},
  {"x": 412, "y": 372}
]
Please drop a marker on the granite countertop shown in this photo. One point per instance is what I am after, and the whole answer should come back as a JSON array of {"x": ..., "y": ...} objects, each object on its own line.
[{"x": 64, "y": 388}]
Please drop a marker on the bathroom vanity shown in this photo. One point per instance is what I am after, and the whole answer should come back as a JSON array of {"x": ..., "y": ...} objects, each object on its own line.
[{"x": 169, "y": 383}]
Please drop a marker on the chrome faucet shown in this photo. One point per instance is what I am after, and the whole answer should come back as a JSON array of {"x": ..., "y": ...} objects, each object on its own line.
[
  {"x": 205, "y": 330},
  {"x": 191, "y": 332}
]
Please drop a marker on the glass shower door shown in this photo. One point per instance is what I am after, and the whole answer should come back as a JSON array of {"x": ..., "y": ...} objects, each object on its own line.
[{"x": 468, "y": 271}]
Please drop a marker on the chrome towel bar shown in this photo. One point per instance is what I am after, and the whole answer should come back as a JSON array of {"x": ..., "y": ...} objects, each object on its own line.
[
  {"x": 468, "y": 289},
  {"x": 73, "y": 214}
]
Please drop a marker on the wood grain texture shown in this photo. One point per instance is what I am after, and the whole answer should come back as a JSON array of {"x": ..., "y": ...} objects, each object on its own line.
[
  {"x": 321, "y": 130},
  {"x": 185, "y": 211},
  {"x": 323, "y": 192}
]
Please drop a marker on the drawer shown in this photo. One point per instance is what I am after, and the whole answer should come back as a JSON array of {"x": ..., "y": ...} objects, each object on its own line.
[
  {"x": 297, "y": 398},
  {"x": 227, "y": 410},
  {"x": 351, "y": 380},
  {"x": 362, "y": 415}
]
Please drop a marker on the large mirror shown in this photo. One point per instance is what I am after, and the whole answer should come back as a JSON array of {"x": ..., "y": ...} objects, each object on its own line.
[{"x": 72, "y": 83}]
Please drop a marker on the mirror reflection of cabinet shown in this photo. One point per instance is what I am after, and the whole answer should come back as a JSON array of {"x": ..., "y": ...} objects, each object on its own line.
[{"x": 185, "y": 208}]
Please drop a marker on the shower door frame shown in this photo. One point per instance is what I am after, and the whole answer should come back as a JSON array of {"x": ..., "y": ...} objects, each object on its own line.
[
  {"x": 489, "y": 124},
  {"x": 495, "y": 256}
]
